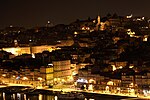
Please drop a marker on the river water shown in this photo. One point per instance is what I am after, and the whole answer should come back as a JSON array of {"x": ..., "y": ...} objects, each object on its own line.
[{"x": 18, "y": 96}]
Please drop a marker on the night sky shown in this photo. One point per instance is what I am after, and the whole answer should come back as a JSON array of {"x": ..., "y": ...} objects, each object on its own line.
[{"x": 31, "y": 13}]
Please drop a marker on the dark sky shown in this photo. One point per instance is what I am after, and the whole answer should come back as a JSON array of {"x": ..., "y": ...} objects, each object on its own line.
[{"x": 30, "y": 13}]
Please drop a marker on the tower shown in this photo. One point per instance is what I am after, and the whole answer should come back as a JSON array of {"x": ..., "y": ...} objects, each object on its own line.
[
  {"x": 98, "y": 20},
  {"x": 98, "y": 23}
]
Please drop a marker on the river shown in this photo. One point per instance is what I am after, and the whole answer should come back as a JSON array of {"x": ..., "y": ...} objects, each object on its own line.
[
  {"x": 19, "y": 96},
  {"x": 17, "y": 93}
]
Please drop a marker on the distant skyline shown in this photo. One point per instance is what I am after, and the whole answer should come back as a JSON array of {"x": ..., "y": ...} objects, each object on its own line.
[{"x": 32, "y": 13}]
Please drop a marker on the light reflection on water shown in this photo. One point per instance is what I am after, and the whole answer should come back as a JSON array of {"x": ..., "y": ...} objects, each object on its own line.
[
  {"x": 40, "y": 97},
  {"x": 25, "y": 97},
  {"x": 19, "y": 96},
  {"x": 55, "y": 98},
  {"x": 13, "y": 96}
]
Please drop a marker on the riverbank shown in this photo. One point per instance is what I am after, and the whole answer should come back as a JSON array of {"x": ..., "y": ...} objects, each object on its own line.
[{"x": 70, "y": 88}]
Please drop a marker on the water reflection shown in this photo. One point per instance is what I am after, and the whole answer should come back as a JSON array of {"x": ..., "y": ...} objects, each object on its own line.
[
  {"x": 56, "y": 98},
  {"x": 13, "y": 96},
  {"x": 34, "y": 96},
  {"x": 19, "y": 96},
  {"x": 40, "y": 97},
  {"x": 25, "y": 97},
  {"x": 3, "y": 96}
]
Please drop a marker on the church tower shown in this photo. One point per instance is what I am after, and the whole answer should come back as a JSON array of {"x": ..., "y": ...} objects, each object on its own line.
[{"x": 98, "y": 20}]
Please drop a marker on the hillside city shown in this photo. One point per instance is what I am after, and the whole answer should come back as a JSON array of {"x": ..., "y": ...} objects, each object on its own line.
[{"x": 110, "y": 54}]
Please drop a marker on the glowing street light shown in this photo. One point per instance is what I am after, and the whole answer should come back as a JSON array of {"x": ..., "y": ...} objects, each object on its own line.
[
  {"x": 75, "y": 32},
  {"x": 107, "y": 88},
  {"x": 14, "y": 76},
  {"x": 24, "y": 78},
  {"x": 39, "y": 78},
  {"x": 4, "y": 75},
  {"x": 90, "y": 88},
  {"x": 110, "y": 83}
]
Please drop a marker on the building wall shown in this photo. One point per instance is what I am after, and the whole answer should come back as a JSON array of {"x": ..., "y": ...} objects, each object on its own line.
[
  {"x": 61, "y": 65},
  {"x": 142, "y": 80},
  {"x": 27, "y": 50},
  {"x": 47, "y": 73},
  {"x": 62, "y": 70}
]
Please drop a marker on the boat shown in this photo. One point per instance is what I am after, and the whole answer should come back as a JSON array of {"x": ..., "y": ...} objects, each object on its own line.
[{"x": 71, "y": 96}]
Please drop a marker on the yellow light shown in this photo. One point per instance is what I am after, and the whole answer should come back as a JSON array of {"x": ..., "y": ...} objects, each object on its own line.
[
  {"x": 24, "y": 78},
  {"x": 40, "y": 97},
  {"x": 88, "y": 28},
  {"x": 83, "y": 28},
  {"x": 107, "y": 88},
  {"x": 74, "y": 73},
  {"x": 110, "y": 83},
  {"x": 131, "y": 85},
  {"x": 39, "y": 78},
  {"x": 94, "y": 21},
  {"x": 128, "y": 30},
  {"x": 75, "y": 32},
  {"x": 70, "y": 78},
  {"x": 33, "y": 56},
  {"x": 145, "y": 39},
  {"x": 114, "y": 67},
  {"x": 130, "y": 16},
  {"x": 58, "y": 79},
  {"x": 120, "y": 67},
  {"x": 56, "y": 98},
  {"x": 90, "y": 87},
  {"x": 131, "y": 66},
  {"x": 63, "y": 80},
  {"x": 4, "y": 75},
  {"x": 55, "y": 79},
  {"x": 14, "y": 51},
  {"x": 91, "y": 81}
]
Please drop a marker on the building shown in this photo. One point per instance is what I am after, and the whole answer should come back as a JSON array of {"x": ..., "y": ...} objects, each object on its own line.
[
  {"x": 47, "y": 75},
  {"x": 62, "y": 71},
  {"x": 29, "y": 50},
  {"x": 142, "y": 81}
]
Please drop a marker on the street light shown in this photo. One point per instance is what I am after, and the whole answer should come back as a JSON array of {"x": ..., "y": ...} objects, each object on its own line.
[
  {"x": 39, "y": 78},
  {"x": 4, "y": 75},
  {"x": 24, "y": 78},
  {"x": 90, "y": 88},
  {"x": 110, "y": 83},
  {"x": 107, "y": 89}
]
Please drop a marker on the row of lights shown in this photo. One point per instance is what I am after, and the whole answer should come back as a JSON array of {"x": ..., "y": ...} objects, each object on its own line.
[{"x": 24, "y": 78}]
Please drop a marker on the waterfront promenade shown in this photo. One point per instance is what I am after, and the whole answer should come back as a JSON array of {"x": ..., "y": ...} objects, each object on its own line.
[{"x": 65, "y": 88}]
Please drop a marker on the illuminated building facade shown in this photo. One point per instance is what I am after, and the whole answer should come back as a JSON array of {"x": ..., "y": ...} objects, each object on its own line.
[
  {"x": 62, "y": 71},
  {"x": 28, "y": 50},
  {"x": 47, "y": 74}
]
